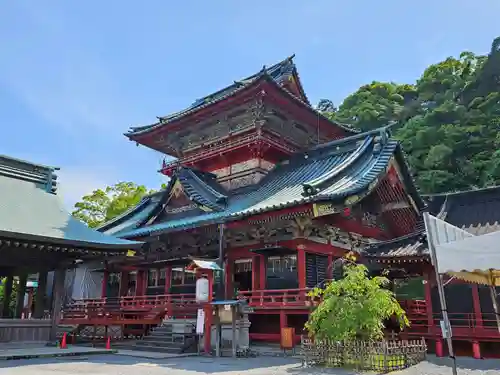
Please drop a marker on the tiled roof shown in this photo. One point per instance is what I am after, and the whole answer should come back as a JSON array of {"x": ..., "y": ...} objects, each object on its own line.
[
  {"x": 334, "y": 171},
  {"x": 277, "y": 74},
  {"x": 412, "y": 245},
  {"x": 30, "y": 209},
  {"x": 476, "y": 211}
]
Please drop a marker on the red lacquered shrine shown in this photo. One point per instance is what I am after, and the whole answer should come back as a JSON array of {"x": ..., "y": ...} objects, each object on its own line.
[
  {"x": 263, "y": 179},
  {"x": 470, "y": 308}
]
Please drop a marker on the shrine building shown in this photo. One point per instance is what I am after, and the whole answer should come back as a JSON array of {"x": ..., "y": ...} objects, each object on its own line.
[{"x": 270, "y": 190}]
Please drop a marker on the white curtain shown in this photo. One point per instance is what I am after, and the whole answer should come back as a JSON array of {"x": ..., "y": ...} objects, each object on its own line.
[{"x": 87, "y": 283}]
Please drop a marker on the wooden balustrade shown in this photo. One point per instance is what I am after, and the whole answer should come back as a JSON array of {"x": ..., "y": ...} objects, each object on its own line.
[
  {"x": 128, "y": 309},
  {"x": 278, "y": 298}
]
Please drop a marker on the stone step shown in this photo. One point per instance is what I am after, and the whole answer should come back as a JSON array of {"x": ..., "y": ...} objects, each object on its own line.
[
  {"x": 152, "y": 349},
  {"x": 160, "y": 342}
]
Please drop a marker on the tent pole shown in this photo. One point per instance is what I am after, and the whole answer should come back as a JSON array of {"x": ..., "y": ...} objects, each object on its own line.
[{"x": 442, "y": 298}]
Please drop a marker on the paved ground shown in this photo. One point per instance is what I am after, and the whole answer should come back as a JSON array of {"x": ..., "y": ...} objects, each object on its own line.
[{"x": 119, "y": 365}]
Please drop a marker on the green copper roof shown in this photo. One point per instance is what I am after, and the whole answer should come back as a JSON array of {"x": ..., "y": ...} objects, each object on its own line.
[
  {"x": 332, "y": 171},
  {"x": 31, "y": 210}
]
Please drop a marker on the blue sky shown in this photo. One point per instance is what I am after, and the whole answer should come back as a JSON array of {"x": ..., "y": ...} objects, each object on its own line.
[{"x": 74, "y": 75}]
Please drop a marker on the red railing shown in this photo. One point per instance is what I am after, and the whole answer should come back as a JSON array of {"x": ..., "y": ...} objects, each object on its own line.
[
  {"x": 278, "y": 298},
  {"x": 129, "y": 309}
]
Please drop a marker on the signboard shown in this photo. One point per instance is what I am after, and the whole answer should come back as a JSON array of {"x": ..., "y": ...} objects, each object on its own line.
[
  {"x": 200, "y": 321},
  {"x": 287, "y": 336},
  {"x": 322, "y": 209},
  {"x": 445, "y": 332}
]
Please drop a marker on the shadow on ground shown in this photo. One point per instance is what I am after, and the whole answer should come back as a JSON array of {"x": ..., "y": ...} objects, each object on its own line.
[
  {"x": 466, "y": 363},
  {"x": 98, "y": 364},
  {"x": 196, "y": 364}
]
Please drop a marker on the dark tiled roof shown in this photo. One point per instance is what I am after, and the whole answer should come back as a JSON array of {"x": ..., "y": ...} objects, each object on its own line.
[
  {"x": 277, "y": 73},
  {"x": 335, "y": 171},
  {"x": 30, "y": 209},
  {"x": 203, "y": 188},
  {"x": 476, "y": 211},
  {"x": 412, "y": 245}
]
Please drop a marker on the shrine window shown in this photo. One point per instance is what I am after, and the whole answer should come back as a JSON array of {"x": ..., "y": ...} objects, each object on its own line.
[
  {"x": 242, "y": 265},
  {"x": 162, "y": 276},
  {"x": 177, "y": 276},
  {"x": 132, "y": 282},
  {"x": 284, "y": 263},
  {"x": 189, "y": 277},
  {"x": 281, "y": 272},
  {"x": 152, "y": 278},
  {"x": 182, "y": 277}
]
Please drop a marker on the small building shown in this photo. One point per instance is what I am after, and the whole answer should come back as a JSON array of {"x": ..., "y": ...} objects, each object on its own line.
[{"x": 39, "y": 237}]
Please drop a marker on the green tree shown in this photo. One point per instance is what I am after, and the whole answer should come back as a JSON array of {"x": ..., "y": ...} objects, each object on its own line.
[
  {"x": 448, "y": 121},
  {"x": 354, "y": 307},
  {"x": 13, "y": 295},
  {"x": 103, "y": 205}
]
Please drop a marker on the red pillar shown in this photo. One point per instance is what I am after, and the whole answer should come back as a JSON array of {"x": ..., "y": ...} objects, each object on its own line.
[
  {"x": 476, "y": 350},
  {"x": 124, "y": 278},
  {"x": 168, "y": 279},
  {"x": 255, "y": 273},
  {"x": 301, "y": 267},
  {"x": 428, "y": 302},
  {"x": 262, "y": 272},
  {"x": 329, "y": 273},
  {"x": 228, "y": 275},
  {"x": 439, "y": 348},
  {"x": 104, "y": 286},
  {"x": 477, "y": 306},
  {"x": 283, "y": 319},
  {"x": 478, "y": 317},
  {"x": 140, "y": 288}
]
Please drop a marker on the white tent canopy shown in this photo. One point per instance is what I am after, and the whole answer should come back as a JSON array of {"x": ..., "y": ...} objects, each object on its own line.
[{"x": 457, "y": 250}]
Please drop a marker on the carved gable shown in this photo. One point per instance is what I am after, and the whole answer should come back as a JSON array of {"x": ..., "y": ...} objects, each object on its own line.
[{"x": 179, "y": 205}]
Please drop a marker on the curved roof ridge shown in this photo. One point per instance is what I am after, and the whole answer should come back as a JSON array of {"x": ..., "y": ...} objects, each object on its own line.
[
  {"x": 117, "y": 220},
  {"x": 312, "y": 187},
  {"x": 218, "y": 195}
]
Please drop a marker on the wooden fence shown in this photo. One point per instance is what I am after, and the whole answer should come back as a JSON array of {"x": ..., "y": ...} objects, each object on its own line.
[{"x": 384, "y": 356}]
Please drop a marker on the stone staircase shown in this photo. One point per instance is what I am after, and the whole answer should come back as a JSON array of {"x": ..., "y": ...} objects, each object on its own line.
[{"x": 174, "y": 336}]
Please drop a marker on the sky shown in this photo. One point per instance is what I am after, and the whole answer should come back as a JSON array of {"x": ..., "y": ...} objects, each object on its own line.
[{"x": 75, "y": 75}]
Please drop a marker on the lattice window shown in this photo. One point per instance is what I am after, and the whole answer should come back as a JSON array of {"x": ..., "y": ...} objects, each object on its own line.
[
  {"x": 177, "y": 277},
  {"x": 152, "y": 277},
  {"x": 162, "y": 276},
  {"x": 189, "y": 278},
  {"x": 242, "y": 265},
  {"x": 282, "y": 263}
]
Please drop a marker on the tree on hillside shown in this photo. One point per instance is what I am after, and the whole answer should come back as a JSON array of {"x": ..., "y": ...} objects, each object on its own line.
[
  {"x": 354, "y": 307},
  {"x": 103, "y": 205},
  {"x": 448, "y": 121}
]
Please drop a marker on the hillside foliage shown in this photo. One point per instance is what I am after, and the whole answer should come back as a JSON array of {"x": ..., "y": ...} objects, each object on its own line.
[{"x": 448, "y": 120}]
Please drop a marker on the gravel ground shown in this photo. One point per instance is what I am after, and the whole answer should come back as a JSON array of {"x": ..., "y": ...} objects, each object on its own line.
[{"x": 117, "y": 365}]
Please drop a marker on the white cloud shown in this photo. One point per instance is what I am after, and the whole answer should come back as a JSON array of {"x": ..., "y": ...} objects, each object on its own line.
[{"x": 75, "y": 182}]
